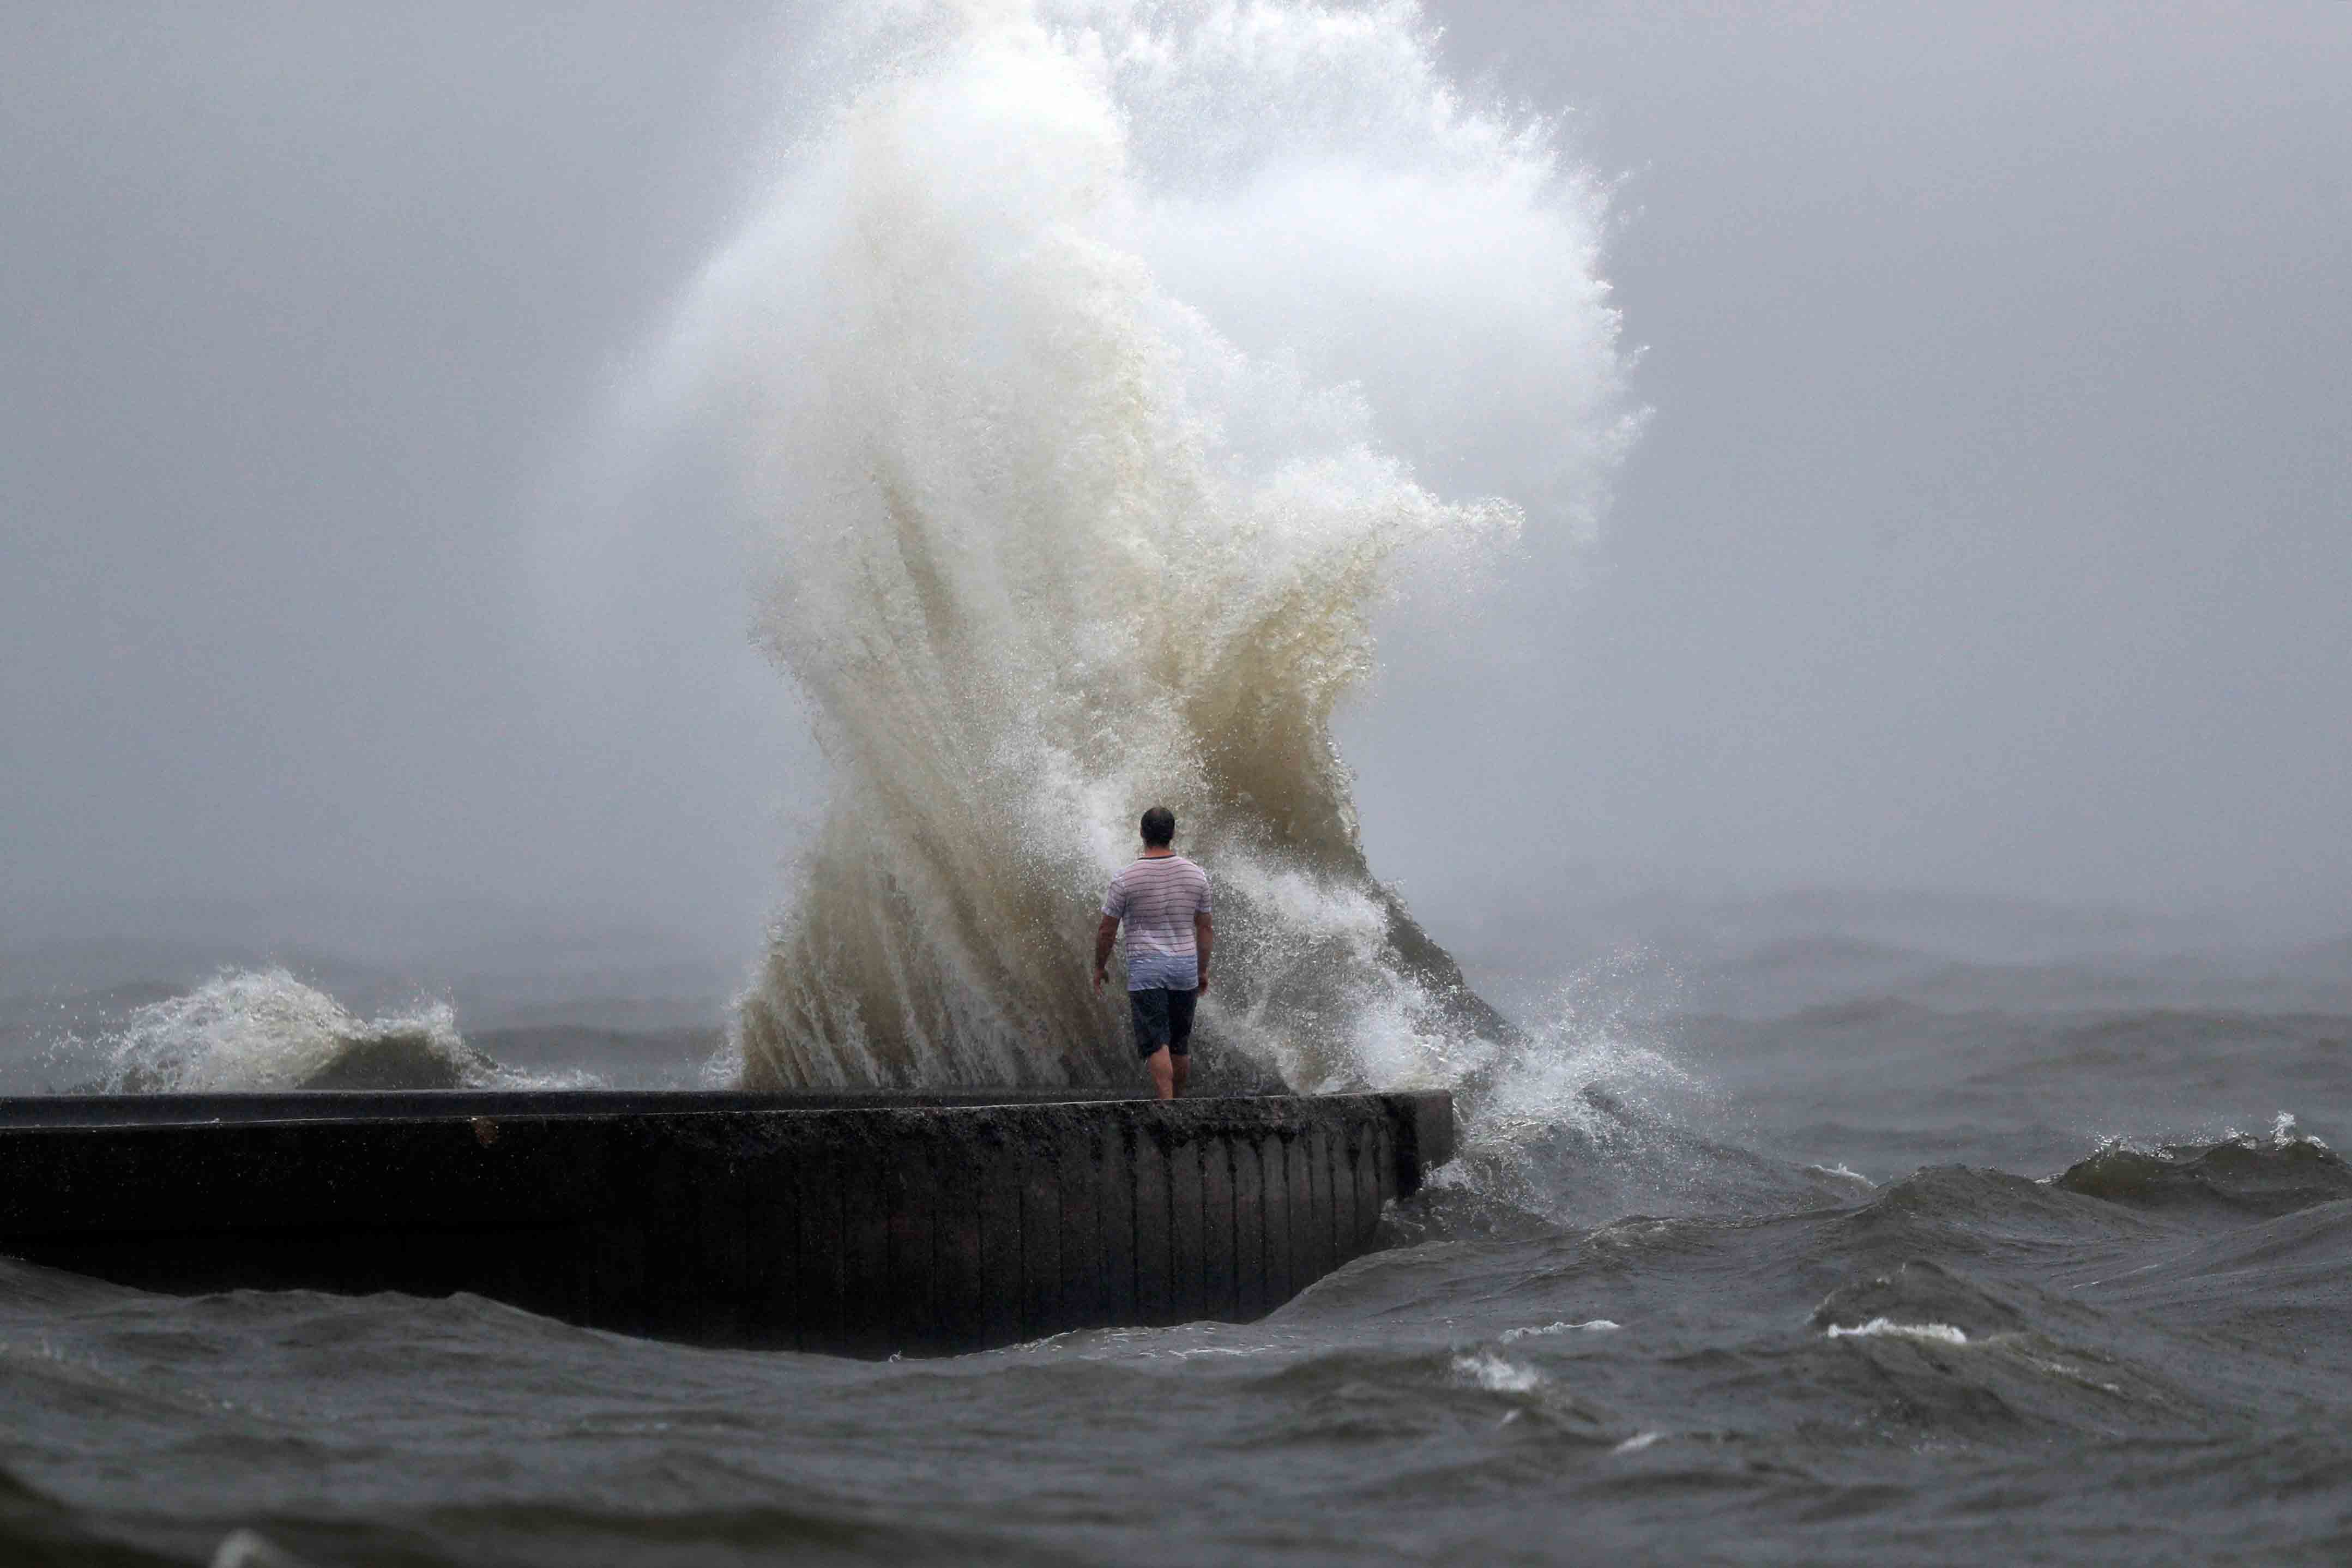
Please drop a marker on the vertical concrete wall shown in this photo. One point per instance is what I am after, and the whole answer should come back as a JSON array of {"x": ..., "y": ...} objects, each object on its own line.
[{"x": 851, "y": 1225}]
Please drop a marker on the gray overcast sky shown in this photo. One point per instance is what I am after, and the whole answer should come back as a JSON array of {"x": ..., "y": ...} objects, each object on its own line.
[
  {"x": 1991, "y": 531},
  {"x": 1994, "y": 528}
]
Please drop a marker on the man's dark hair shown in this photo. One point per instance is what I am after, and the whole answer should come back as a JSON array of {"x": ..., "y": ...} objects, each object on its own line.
[{"x": 1158, "y": 826}]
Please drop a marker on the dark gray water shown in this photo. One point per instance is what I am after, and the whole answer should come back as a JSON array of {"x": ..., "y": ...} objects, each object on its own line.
[{"x": 1858, "y": 1282}]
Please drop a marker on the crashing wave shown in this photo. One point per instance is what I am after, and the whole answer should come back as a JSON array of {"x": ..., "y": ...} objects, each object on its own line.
[{"x": 1075, "y": 366}]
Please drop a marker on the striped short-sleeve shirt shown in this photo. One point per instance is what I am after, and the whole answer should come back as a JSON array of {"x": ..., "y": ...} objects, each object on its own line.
[{"x": 1155, "y": 898}]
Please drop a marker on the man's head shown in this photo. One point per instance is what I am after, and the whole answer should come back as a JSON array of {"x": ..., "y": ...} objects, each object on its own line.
[{"x": 1159, "y": 828}]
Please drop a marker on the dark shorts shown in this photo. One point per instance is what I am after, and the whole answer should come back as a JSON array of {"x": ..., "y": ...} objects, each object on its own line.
[{"x": 1162, "y": 1018}]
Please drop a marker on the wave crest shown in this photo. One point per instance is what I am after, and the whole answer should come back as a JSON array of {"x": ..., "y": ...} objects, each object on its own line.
[{"x": 2244, "y": 1174}]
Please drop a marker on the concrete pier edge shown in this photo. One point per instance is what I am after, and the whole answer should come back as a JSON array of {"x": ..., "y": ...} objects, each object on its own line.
[{"x": 863, "y": 1225}]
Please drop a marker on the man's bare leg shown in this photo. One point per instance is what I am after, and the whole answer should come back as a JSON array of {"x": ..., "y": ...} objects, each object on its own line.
[
  {"x": 1183, "y": 1067},
  {"x": 1163, "y": 1075}
]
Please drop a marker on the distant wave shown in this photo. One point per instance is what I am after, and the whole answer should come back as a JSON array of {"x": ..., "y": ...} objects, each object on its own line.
[
  {"x": 263, "y": 1029},
  {"x": 1879, "y": 1012},
  {"x": 2280, "y": 1175}
]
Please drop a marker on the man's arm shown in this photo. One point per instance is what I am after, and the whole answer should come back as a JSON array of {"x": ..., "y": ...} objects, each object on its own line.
[
  {"x": 1205, "y": 935},
  {"x": 1104, "y": 933}
]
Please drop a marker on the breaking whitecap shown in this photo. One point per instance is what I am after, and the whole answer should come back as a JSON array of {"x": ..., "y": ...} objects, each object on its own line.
[
  {"x": 262, "y": 1030},
  {"x": 1596, "y": 1326},
  {"x": 1887, "y": 1328},
  {"x": 1497, "y": 1375}
]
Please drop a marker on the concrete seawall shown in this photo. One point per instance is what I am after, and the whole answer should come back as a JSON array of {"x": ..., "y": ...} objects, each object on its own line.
[{"x": 856, "y": 1224}]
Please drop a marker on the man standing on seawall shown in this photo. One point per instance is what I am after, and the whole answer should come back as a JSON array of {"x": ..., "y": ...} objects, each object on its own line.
[{"x": 1164, "y": 900}]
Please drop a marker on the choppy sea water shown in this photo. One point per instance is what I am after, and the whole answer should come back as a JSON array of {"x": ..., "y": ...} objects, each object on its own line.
[{"x": 1714, "y": 1313}]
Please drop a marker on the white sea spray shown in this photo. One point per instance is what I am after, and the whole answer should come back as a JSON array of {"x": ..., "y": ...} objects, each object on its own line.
[{"x": 1089, "y": 371}]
